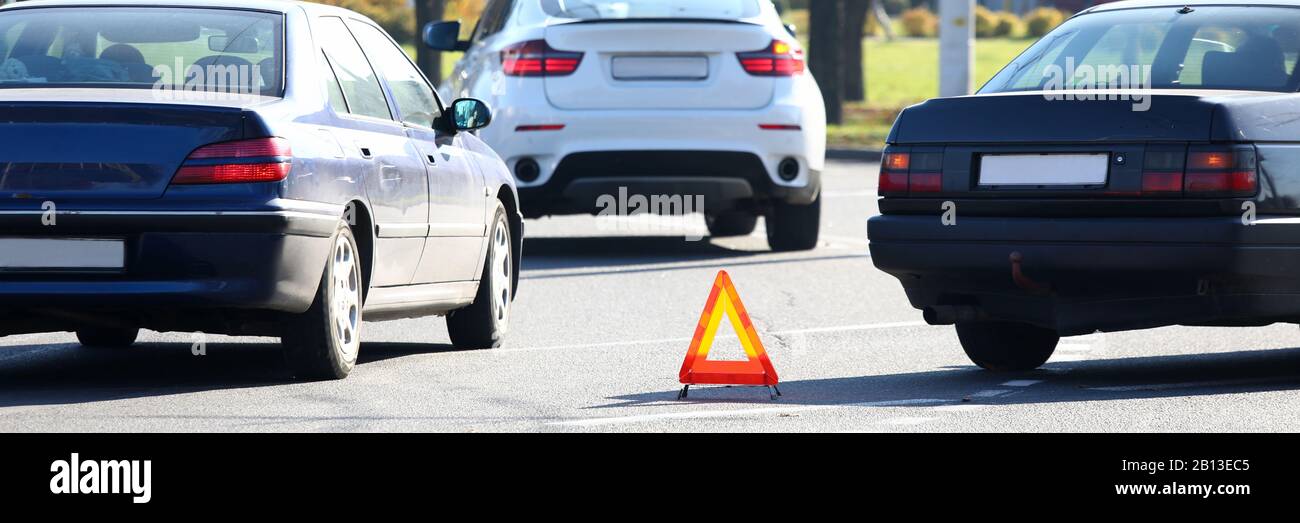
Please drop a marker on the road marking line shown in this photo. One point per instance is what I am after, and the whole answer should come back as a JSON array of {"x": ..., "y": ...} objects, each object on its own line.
[
  {"x": 992, "y": 393},
  {"x": 814, "y": 330},
  {"x": 847, "y": 242},
  {"x": 702, "y": 414},
  {"x": 1193, "y": 384},
  {"x": 1021, "y": 383}
]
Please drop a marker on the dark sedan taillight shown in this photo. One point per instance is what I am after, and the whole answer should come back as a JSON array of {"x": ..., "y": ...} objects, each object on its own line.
[
  {"x": 242, "y": 161},
  {"x": 1204, "y": 172},
  {"x": 537, "y": 58},
  {"x": 913, "y": 172},
  {"x": 778, "y": 59}
]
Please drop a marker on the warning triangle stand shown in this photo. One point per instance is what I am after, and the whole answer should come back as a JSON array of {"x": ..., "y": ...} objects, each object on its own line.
[{"x": 697, "y": 369}]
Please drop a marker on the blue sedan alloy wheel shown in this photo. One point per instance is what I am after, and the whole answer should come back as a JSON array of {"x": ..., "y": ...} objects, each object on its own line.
[
  {"x": 323, "y": 342},
  {"x": 483, "y": 324}
]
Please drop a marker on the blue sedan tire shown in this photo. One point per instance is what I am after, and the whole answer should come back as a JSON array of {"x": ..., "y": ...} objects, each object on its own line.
[
  {"x": 483, "y": 324},
  {"x": 322, "y": 343}
]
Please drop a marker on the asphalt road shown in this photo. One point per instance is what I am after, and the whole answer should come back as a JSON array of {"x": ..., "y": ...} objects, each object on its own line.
[{"x": 603, "y": 319}]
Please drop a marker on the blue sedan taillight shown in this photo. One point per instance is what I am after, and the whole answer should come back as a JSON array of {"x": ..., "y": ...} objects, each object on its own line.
[{"x": 243, "y": 161}]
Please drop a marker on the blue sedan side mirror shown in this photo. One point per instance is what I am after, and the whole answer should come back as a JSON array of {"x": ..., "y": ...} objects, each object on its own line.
[
  {"x": 469, "y": 114},
  {"x": 443, "y": 36}
]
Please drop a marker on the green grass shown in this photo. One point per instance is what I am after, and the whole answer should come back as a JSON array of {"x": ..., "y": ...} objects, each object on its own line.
[{"x": 904, "y": 72}]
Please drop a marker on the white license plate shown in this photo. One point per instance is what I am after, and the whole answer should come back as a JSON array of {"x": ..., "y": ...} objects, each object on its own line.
[
  {"x": 660, "y": 67},
  {"x": 1043, "y": 169},
  {"x": 58, "y": 254}
]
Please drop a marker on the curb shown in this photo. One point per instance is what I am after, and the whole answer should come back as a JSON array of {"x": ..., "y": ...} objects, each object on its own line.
[{"x": 866, "y": 155}]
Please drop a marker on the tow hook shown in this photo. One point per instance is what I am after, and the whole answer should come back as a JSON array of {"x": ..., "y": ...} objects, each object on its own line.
[{"x": 1025, "y": 282}]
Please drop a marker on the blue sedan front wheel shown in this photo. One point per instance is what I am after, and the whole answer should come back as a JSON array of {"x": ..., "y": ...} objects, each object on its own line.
[{"x": 484, "y": 323}]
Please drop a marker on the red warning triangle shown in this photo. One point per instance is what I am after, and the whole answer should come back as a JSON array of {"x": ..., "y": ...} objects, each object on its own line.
[{"x": 699, "y": 370}]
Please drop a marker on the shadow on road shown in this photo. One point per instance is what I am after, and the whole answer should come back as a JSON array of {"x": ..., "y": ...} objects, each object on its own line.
[
  {"x": 1094, "y": 380},
  {"x": 67, "y": 373},
  {"x": 612, "y": 255},
  {"x": 605, "y": 251}
]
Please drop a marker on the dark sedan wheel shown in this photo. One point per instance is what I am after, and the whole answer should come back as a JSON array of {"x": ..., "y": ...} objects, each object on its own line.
[
  {"x": 730, "y": 223},
  {"x": 107, "y": 337},
  {"x": 1006, "y": 346},
  {"x": 323, "y": 342},
  {"x": 792, "y": 227},
  {"x": 484, "y": 323}
]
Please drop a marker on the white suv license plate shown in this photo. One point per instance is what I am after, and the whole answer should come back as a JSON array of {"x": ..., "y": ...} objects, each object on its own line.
[
  {"x": 1043, "y": 169},
  {"x": 59, "y": 254}
]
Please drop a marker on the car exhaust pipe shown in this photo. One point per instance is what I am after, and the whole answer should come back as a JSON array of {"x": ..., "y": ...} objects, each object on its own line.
[
  {"x": 950, "y": 314},
  {"x": 788, "y": 170},
  {"x": 527, "y": 170}
]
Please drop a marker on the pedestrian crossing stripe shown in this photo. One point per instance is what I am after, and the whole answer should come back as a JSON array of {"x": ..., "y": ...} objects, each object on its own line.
[{"x": 697, "y": 369}]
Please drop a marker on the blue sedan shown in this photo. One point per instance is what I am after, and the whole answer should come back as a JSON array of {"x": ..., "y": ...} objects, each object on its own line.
[{"x": 241, "y": 167}]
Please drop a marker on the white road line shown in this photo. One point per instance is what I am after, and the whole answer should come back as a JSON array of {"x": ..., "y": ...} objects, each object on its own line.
[
  {"x": 814, "y": 330},
  {"x": 1021, "y": 383},
  {"x": 704, "y": 414},
  {"x": 847, "y": 328},
  {"x": 1194, "y": 384},
  {"x": 851, "y": 240}
]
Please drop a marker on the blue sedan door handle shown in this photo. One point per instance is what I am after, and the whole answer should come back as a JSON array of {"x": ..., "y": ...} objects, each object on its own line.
[{"x": 390, "y": 177}]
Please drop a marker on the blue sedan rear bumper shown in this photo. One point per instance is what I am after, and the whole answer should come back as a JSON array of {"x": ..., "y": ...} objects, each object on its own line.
[{"x": 258, "y": 260}]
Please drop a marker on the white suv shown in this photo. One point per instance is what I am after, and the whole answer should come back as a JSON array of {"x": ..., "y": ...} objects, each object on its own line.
[{"x": 652, "y": 97}]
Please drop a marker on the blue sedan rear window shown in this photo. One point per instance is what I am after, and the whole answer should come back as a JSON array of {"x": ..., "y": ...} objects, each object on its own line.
[
  {"x": 1201, "y": 47},
  {"x": 174, "y": 49}
]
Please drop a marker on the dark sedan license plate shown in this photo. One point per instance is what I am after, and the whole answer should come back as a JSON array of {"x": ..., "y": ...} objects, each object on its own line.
[{"x": 1043, "y": 169}]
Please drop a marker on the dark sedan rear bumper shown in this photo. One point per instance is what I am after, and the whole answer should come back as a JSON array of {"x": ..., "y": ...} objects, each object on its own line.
[
  {"x": 178, "y": 265},
  {"x": 1097, "y": 273}
]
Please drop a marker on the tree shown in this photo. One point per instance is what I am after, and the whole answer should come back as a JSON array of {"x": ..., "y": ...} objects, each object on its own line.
[
  {"x": 826, "y": 26},
  {"x": 429, "y": 60},
  {"x": 855, "y": 26}
]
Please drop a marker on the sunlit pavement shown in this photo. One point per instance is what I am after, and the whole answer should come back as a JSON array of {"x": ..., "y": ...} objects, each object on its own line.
[{"x": 604, "y": 315}]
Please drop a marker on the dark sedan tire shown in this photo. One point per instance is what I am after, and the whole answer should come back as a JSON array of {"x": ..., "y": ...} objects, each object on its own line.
[
  {"x": 484, "y": 323},
  {"x": 1006, "y": 346},
  {"x": 793, "y": 227},
  {"x": 322, "y": 343},
  {"x": 107, "y": 337},
  {"x": 730, "y": 223}
]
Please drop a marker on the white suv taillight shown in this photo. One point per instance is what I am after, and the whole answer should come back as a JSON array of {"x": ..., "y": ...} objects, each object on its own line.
[
  {"x": 242, "y": 161},
  {"x": 537, "y": 58},
  {"x": 778, "y": 59}
]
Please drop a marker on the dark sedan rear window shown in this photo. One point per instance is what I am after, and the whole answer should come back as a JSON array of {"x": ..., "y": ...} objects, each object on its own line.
[
  {"x": 1208, "y": 47},
  {"x": 173, "y": 49}
]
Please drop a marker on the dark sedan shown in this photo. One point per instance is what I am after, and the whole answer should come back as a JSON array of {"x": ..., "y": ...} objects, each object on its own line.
[
  {"x": 1135, "y": 168},
  {"x": 241, "y": 167}
]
